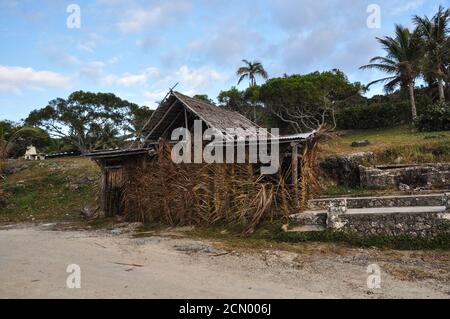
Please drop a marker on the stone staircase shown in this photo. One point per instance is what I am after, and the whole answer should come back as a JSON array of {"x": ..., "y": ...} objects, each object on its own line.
[{"x": 393, "y": 215}]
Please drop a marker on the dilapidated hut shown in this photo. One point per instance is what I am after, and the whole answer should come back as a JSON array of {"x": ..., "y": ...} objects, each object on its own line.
[{"x": 122, "y": 167}]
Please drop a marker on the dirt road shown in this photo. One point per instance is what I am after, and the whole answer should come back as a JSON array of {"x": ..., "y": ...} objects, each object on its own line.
[{"x": 33, "y": 263}]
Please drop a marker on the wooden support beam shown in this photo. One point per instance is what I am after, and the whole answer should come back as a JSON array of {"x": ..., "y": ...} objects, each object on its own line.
[
  {"x": 185, "y": 118},
  {"x": 294, "y": 162},
  {"x": 170, "y": 125},
  {"x": 162, "y": 118}
]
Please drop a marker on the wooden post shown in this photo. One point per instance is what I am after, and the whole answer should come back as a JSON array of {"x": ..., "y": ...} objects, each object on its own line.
[
  {"x": 104, "y": 192},
  {"x": 294, "y": 161},
  {"x": 185, "y": 118}
]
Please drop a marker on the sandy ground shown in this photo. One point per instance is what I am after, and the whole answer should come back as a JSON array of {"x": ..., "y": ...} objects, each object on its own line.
[{"x": 33, "y": 263}]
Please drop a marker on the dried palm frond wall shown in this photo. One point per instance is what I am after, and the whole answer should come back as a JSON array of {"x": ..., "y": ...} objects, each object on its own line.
[{"x": 203, "y": 194}]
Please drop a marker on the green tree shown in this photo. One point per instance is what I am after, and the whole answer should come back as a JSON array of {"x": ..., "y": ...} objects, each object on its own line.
[
  {"x": 434, "y": 33},
  {"x": 85, "y": 118},
  {"x": 251, "y": 70},
  {"x": 402, "y": 61},
  {"x": 232, "y": 99},
  {"x": 203, "y": 97},
  {"x": 306, "y": 102},
  {"x": 9, "y": 139}
]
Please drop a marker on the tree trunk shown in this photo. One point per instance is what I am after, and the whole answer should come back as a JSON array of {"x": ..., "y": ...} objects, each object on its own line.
[
  {"x": 412, "y": 100},
  {"x": 441, "y": 90}
]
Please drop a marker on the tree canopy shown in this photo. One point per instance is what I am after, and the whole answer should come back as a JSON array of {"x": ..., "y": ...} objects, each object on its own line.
[
  {"x": 302, "y": 100},
  {"x": 88, "y": 120},
  {"x": 14, "y": 139}
]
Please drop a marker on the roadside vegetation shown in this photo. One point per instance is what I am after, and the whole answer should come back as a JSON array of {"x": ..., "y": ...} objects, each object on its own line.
[
  {"x": 48, "y": 191},
  {"x": 401, "y": 144}
]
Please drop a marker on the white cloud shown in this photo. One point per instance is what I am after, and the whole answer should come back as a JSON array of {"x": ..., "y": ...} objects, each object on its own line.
[
  {"x": 130, "y": 79},
  {"x": 113, "y": 60},
  {"x": 191, "y": 81},
  {"x": 88, "y": 45},
  {"x": 93, "y": 69},
  {"x": 17, "y": 79},
  {"x": 408, "y": 6},
  {"x": 165, "y": 13},
  {"x": 127, "y": 79},
  {"x": 197, "y": 79},
  {"x": 228, "y": 42},
  {"x": 152, "y": 71},
  {"x": 154, "y": 97}
]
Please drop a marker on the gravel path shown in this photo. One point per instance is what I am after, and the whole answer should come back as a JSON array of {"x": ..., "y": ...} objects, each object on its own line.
[{"x": 33, "y": 263}]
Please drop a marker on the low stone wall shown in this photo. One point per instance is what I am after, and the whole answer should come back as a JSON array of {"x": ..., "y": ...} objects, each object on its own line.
[
  {"x": 423, "y": 225},
  {"x": 426, "y": 176},
  {"x": 382, "y": 201},
  {"x": 419, "y": 222},
  {"x": 312, "y": 218},
  {"x": 344, "y": 168}
]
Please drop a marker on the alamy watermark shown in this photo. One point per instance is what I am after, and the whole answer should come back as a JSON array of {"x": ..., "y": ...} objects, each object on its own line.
[
  {"x": 374, "y": 19},
  {"x": 74, "y": 278},
  {"x": 374, "y": 276},
  {"x": 74, "y": 19},
  {"x": 233, "y": 146}
]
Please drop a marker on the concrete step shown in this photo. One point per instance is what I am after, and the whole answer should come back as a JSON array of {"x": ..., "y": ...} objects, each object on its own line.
[
  {"x": 382, "y": 201},
  {"x": 306, "y": 228},
  {"x": 380, "y": 210},
  {"x": 398, "y": 210}
]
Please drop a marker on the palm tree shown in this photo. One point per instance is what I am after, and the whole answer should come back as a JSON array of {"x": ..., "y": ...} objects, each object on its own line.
[
  {"x": 250, "y": 71},
  {"x": 434, "y": 33},
  {"x": 401, "y": 61}
]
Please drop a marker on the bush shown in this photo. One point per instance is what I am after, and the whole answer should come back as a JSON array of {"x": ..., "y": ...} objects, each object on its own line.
[
  {"x": 3, "y": 198},
  {"x": 374, "y": 115},
  {"x": 436, "y": 117}
]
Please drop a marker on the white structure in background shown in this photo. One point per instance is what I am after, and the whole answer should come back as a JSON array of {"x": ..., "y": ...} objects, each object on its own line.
[{"x": 32, "y": 154}]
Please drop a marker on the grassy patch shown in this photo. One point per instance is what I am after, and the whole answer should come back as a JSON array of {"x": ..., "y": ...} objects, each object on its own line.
[
  {"x": 50, "y": 190},
  {"x": 271, "y": 236},
  {"x": 403, "y": 144},
  {"x": 395, "y": 242},
  {"x": 228, "y": 238},
  {"x": 340, "y": 190}
]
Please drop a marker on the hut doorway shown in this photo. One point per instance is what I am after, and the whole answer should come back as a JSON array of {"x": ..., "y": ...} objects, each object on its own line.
[{"x": 112, "y": 187}]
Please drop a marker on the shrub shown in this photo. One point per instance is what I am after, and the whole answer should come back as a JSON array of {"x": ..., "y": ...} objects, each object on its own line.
[
  {"x": 436, "y": 117},
  {"x": 3, "y": 198},
  {"x": 374, "y": 115}
]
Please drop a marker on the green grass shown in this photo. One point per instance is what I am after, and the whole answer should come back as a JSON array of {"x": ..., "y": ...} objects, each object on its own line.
[
  {"x": 271, "y": 236},
  {"x": 49, "y": 190},
  {"x": 394, "y": 242},
  {"x": 403, "y": 144},
  {"x": 340, "y": 190}
]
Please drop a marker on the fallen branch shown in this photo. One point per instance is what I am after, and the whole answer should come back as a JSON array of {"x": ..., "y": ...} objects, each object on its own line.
[
  {"x": 221, "y": 254},
  {"x": 125, "y": 264}
]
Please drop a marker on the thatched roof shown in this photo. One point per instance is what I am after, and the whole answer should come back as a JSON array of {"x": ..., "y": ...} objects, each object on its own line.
[
  {"x": 172, "y": 114},
  {"x": 211, "y": 115}
]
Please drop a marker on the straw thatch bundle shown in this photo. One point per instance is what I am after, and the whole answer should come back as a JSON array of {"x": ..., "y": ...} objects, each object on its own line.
[{"x": 203, "y": 194}]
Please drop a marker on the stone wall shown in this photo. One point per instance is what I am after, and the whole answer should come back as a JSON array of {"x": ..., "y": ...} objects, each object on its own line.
[
  {"x": 382, "y": 201},
  {"x": 426, "y": 176},
  {"x": 423, "y": 225},
  {"x": 344, "y": 169},
  {"x": 419, "y": 222}
]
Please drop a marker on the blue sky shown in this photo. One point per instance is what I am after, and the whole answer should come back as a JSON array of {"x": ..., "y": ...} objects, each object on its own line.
[{"x": 139, "y": 49}]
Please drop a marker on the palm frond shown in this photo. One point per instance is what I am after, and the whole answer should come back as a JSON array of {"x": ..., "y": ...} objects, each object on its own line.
[
  {"x": 390, "y": 78},
  {"x": 381, "y": 67},
  {"x": 242, "y": 77}
]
